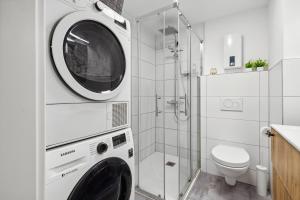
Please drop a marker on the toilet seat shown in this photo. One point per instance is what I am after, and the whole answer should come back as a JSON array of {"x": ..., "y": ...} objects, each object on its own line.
[{"x": 233, "y": 157}]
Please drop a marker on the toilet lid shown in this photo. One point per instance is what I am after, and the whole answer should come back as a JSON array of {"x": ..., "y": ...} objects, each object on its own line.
[{"x": 230, "y": 156}]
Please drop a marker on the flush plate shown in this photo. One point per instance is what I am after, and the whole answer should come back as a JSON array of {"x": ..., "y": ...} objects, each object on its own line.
[{"x": 231, "y": 104}]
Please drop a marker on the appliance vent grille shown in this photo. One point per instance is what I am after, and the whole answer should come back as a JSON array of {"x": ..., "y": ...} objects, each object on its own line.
[
  {"x": 119, "y": 114},
  {"x": 93, "y": 149}
]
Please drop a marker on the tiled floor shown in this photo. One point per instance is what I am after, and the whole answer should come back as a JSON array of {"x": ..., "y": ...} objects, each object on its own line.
[{"x": 209, "y": 187}]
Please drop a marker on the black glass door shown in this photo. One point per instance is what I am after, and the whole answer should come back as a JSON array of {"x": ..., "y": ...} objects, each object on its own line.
[
  {"x": 94, "y": 56},
  {"x": 110, "y": 179}
]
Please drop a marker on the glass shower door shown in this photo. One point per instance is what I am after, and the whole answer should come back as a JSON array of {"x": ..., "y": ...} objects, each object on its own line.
[
  {"x": 183, "y": 81},
  {"x": 151, "y": 156},
  {"x": 164, "y": 105}
]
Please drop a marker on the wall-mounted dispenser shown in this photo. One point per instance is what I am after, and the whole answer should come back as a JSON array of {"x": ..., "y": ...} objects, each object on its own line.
[{"x": 233, "y": 51}]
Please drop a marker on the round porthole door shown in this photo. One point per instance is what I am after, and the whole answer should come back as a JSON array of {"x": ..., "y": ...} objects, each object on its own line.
[
  {"x": 89, "y": 56},
  {"x": 110, "y": 179}
]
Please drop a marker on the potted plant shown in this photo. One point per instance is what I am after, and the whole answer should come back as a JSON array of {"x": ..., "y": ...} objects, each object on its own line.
[
  {"x": 261, "y": 64},
  {"x": 249, "y": 66}
]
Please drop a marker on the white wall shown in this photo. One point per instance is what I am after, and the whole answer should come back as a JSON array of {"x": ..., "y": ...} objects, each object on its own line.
[
  {"x": 240, "y": 129},
  {"x": 291, "y": 91},
  {"x": 284, "y": 55},
  {"x": 253, "y": 25},
  {"x": 284, "y": 30},
  {"x": 275, "y": 20},
  {"x": 21, "y": 102},
  {"x": 291, "y": 34}
]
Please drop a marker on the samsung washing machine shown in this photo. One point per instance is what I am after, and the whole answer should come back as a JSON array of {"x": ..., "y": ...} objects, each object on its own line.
[
  {"x": 101, "y": 168},
  {"x": 88, "y": 81}
]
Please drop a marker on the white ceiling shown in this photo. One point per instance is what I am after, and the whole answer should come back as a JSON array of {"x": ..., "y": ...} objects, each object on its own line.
[{"x": 195, "y": 10}]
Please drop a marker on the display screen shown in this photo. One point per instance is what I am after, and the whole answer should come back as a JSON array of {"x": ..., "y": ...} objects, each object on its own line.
[{"x": 119, "y": 139}]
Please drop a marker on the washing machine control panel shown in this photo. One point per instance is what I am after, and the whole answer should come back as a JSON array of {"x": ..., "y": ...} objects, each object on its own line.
[{"x": 119, "y": 140}]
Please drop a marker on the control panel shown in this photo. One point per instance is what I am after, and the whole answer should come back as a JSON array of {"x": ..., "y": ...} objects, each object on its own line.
[{"x": 119, "y": 140}]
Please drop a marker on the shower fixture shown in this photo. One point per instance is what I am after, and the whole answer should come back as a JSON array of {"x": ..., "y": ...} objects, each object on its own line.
[{"x": 173, "y": 47}]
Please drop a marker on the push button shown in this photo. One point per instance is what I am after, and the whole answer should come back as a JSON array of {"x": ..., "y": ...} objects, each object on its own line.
[{"x": 130, "y": 153}]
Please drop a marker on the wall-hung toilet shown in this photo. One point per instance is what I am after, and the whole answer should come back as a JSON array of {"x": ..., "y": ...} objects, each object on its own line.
[{"x": 231, "y": 161}]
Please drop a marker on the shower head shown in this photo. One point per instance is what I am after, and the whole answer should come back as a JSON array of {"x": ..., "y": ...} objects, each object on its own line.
[{"x": 169, "y": 30}]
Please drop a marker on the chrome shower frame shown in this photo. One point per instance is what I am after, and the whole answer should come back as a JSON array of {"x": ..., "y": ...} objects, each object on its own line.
[{"x": 187, "y": 98}]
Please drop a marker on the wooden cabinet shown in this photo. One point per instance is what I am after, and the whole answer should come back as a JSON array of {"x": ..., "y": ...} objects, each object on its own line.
[{"x": 285, "y": 169}]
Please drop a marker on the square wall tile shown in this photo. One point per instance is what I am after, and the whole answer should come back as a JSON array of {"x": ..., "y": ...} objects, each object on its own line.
[
  {"x": 275, "y": 81},
  {"x": 171, "y": 137},
  {"x": 147, "y": 54},
  {"x": 147, "y": 104},
  {"x": 147, "y": 87},
  {"x": 264, "y": 83},
  {"x": 264, "y": 108},
  {"x": 147, "y": 70},
  {"x": 291, "y": 113},
  {"x": 234, "y": 85},
  {"x": 291, "y": 80},
  {"x": 276, "y": 110},
  {"x": 240, "y": 131}
]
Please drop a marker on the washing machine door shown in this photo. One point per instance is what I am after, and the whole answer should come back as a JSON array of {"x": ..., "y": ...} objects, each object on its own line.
[
  {"x": 110, "y": 179},
  {"x": 89, "y": 55}
]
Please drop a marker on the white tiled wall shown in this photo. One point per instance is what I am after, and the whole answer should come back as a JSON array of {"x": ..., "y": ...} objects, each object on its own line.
[
  {"x": 291, "y": 92},
  {"x": 285, "y": 92},
  {"x": 240, "y": 129}
]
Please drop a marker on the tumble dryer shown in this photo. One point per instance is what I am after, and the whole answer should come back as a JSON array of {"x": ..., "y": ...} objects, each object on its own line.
[
  {"x": 88, "y": 70},
  {"x": 100, "y": 168}
]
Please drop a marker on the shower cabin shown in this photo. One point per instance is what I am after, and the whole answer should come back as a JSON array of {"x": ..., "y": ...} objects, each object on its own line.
[{"x": 167, "y": 63}]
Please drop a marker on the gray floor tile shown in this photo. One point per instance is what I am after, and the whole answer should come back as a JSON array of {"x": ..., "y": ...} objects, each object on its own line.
[{"x": 210, "y": 187}]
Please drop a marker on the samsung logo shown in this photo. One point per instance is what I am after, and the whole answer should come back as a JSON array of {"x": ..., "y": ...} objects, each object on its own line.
[{"x": 67, "y": 153}]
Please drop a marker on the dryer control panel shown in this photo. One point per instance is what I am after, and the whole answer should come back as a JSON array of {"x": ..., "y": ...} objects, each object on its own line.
[{"x": 119, "y": 140}]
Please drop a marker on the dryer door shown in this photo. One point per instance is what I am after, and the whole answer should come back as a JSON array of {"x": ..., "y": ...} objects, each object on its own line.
[
  {"x": 110, "y": 179},
  {"x": 88, "y": 55}
]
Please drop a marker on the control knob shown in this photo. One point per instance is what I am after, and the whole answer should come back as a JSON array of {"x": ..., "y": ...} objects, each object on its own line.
[{"x": 102, "y": 148}]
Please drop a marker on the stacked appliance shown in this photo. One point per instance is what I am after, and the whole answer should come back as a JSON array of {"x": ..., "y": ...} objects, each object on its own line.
[{"x": 87, "y": 95}]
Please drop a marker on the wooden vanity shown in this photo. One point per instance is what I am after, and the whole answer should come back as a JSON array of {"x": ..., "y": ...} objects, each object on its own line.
[{"x": 285, "y": 163}]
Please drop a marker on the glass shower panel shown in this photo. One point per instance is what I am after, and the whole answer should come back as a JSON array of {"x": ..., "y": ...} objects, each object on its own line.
[
  {"x": 183, "y": 96},
  {"x": 196, "y": 61},
  {"x": 170, "y": 103},
  {"x": 165, "y": 106},
  {"x": 151, "y": 158}
]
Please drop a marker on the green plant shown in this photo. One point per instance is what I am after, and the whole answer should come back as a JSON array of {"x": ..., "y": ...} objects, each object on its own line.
[
  {"x": 249, "y": 64},
  {"x": 261, "y": 63}
]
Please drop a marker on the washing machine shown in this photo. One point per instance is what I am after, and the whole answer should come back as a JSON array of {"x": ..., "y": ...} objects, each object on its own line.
[
  {"x": 100, "y": 168},
  {"x": 88, "y": 81}
]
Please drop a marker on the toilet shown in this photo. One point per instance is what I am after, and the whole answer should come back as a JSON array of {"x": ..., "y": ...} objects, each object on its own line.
[{"x": 231, "y": 161}]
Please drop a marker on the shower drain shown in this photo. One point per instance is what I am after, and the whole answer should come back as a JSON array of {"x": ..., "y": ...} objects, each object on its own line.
[{"x": 171, "y": 164}]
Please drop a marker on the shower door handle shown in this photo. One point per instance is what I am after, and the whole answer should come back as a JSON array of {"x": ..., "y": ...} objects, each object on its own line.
[
  {"x": 156, "y": 105},
  {"x": 185, "y": 104}
]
